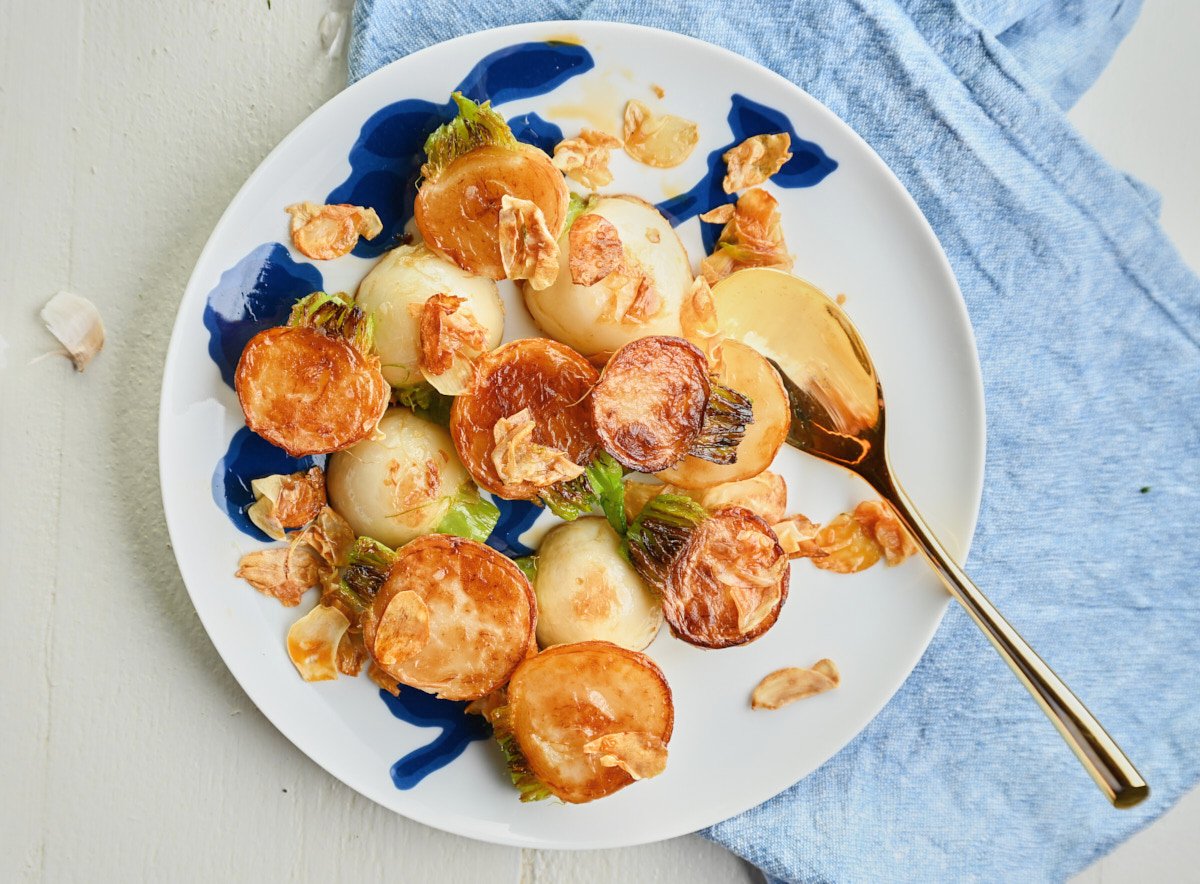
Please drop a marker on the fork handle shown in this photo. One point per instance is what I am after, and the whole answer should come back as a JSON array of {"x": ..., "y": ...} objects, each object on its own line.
[{"x": 1112, "y": 770}]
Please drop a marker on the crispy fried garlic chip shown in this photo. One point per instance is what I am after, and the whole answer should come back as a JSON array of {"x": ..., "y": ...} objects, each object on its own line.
[
  {"x": 527, "y": 249},
  {"x": 661, "y": 140},
  {"x": 755, "y": 160},
  {"x": 633, "y": 295},
  {"x": 879, "y": 520},
  {"x": 286, "y": 501},
  {"x": 313, "y": 642},
  {"x": 798, "y": 536},
  {"x": 640, "y": 755},
  {"x": 753, "y": 588},
  {"x": 517, "y": 458},
  {"x": 585, "y": 158},
  {"x": 848, "y": 546},
  {"x": 327, "y": 232},
  {"x": 310, "y": 560},
  {"x": 596, "y": 249},
  {"x": 283, "y": 572},
  {"x": 451, "y": 340},
  {"x": 351, "y": 655},
  {"x": 752, "y": 236},
  {"x": 785, "y": 686},
  {"x": 330, "y": 536}
]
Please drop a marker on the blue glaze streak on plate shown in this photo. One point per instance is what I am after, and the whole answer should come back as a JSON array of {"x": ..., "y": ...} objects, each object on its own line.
[
  {"x": 516, "y": 517},
  {"x": 255, "y": 294},
  {"x": 525, "y": 70},
  {"x": 532, "y": 129},
  {"x": 458, "y": 729},
  {"x": 385, "y": 161},
  {"x": 249, "y": 457},
  {"x": 808, "y": 166}
]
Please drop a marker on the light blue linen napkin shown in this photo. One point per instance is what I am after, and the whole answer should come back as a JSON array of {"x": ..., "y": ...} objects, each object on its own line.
[{"x": 1088, "y": 325}]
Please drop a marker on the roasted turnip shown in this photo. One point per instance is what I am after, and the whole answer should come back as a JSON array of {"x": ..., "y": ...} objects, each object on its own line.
[
  {"x": 547, "y": 379},
  {"x": 453, "y": 618},
  {"x": 472, "y": 163},
  {"x": 314, "y": 385}
]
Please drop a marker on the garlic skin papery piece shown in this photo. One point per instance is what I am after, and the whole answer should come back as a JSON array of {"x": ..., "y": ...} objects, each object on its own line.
[{"x": 75, "y": 321}]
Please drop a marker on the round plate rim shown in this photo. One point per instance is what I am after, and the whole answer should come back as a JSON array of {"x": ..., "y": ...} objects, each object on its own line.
[{"x": 975, "y": 420}]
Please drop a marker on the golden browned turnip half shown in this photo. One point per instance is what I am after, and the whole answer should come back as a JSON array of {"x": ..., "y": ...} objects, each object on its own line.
[
  {"x": 582, "y": 316},
  {"x": 569, "y": 695},
  {"x": 549, "y": 379},
  {"x": 743, "y": 369},
  {"x": 313, "y": 386},
  {"x": 476, "y": 606},
  {"x": 458, "y": 215},
  {"x": 648, "y": 407},
  {"x": 472, "y": 163},
  {"x": 729, "y": 582}
]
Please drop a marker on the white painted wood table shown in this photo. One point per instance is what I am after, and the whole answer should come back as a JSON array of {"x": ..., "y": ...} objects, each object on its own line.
[{"x": 128, "y": 751}]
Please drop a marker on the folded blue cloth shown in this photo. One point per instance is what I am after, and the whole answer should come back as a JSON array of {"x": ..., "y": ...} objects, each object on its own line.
[{"x": 1088, "y": 325}]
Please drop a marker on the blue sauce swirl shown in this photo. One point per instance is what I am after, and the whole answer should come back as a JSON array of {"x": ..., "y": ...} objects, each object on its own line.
[
  {"x": 255, "y": 294},
  {"x": 532, "y": 129},
  {"x": 516, "y": 516},
  {"x": 808, "y": 166},
  {"x": 385, "y": 161},
  {"x": 250, "y": 456},
  {"x": 458, "y": 729}
]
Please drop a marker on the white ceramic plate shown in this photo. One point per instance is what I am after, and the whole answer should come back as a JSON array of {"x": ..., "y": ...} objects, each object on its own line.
[{"x": 856, "y": 232}]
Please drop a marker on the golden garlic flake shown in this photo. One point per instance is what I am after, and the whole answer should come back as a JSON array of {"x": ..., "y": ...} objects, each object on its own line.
[
  {"x": 527, "y": 250},
  {"x": 517, "y": 458},
  {"x": 451, "y": 340},
  {"x": 880, "y": 521},
  {"x": 848, "y": 546},
  {"x": 595, "y": 249},
  {"x": 325, "y": 232},
  {"x": 755, "y": 160},
  {"x": 640, "y": 755},
  {"x": 283, "y": 572},
  {"x": 585, "y": 157},
  {"x": 660, "y": 140},
  {"x": 798, "y": 536},
  {"x": 752, "y": 237},
  {"x": 286, "y": 501},
  {"x": 785, "y": 686},
  {"x": 313, "y": 641},
  {"x": 633, "y": 297},
  {"x": 698, "y": 320},
  {"x": 330, "y": 536}
]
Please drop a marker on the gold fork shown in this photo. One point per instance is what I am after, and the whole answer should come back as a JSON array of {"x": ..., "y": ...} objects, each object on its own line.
[{"x": 838, "y": 416}]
